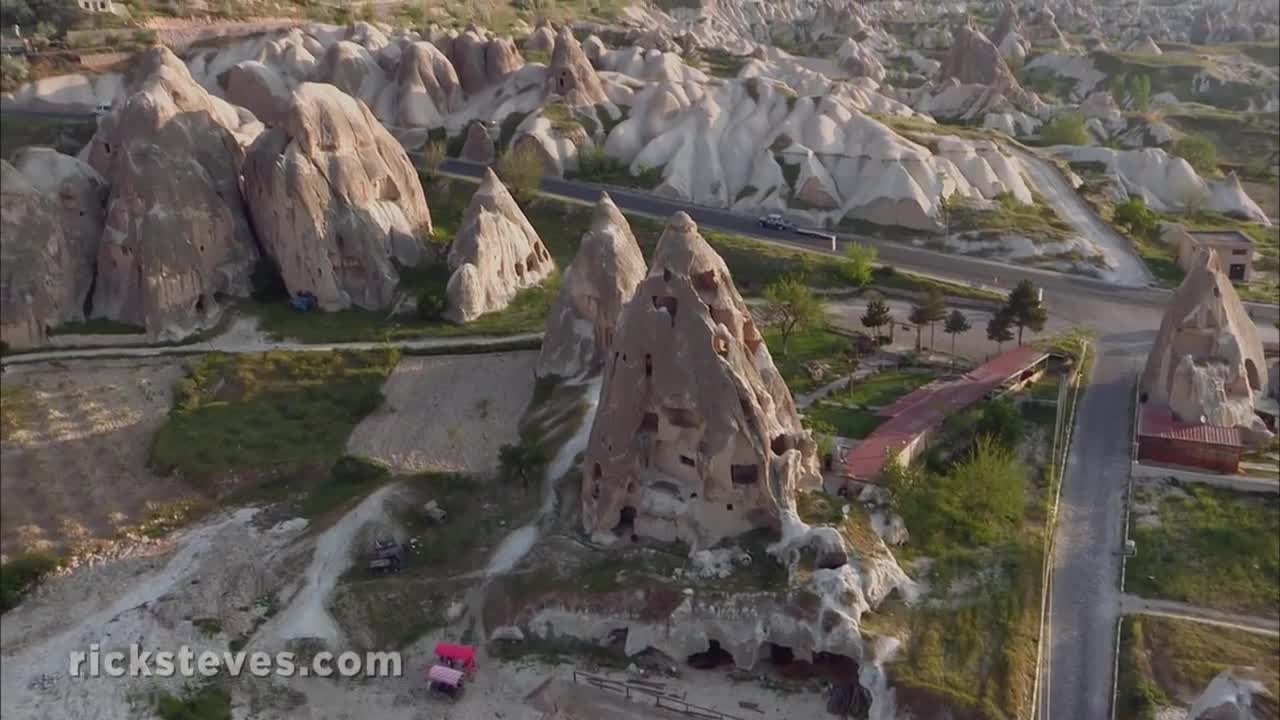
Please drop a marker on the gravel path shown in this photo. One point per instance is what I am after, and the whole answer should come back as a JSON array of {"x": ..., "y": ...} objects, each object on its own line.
[{"x": 1134, "y": 605}]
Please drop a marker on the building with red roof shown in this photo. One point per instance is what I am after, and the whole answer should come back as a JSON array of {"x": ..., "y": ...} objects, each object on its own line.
[
  {"x": 1163, "y": 438},
  {"x": 915, "y": 416}
]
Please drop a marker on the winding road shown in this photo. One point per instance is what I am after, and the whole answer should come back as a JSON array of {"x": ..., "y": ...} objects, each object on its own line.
[{"x": 1085, "y": 599}]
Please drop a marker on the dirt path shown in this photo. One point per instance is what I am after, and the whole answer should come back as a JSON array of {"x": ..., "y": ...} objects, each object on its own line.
[
  {"x": 1128, "y": 269},
  {"x": 1134, "y": 605}
]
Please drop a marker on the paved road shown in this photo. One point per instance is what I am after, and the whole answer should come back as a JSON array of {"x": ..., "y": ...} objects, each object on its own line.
[{"x": 1134, "y": 605}]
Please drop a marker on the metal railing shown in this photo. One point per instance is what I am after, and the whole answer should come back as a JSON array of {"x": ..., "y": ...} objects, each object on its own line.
[{"x": 660, "y": 699}]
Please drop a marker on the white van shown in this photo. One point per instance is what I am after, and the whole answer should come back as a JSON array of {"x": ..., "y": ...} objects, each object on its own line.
[{"x": 102, "y": 109}]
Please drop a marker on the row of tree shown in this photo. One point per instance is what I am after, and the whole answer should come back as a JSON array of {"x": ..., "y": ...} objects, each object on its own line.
[{"x": 1023, "y": 309}]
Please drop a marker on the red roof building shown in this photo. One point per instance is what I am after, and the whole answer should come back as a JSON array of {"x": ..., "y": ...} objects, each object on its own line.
[
  {"x": 914, "y": 416},
  {"x": 1163, "y": 438}
]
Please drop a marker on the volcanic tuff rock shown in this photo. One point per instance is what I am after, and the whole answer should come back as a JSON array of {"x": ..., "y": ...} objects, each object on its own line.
[
  {"x": 478, "y": 144},
  {"x": 601, "y": 279},
  {"x": 975, "y": 60},
  {"x": 336, "y": 201},
  {"x": 1146, "y": 46},
  {"x": 36, "y": 264},
  {"x": 428, "y": 87},
  {"x": 1207, "y": 360},
  {"x": 1007, "y": 23},
  {"x": 81, "y": 195},
  {"x": 542, "y": 39},
  {"x": 259, "y": 89},
  {"x": 177, "y": 232},
  {"x": 1236, "y": 694},
  {"x": 495, "y": 254},
  {"x": 859, "y": 61},
  {"x": 696, "y": 436},
  {"x": 570, "y": 74}
]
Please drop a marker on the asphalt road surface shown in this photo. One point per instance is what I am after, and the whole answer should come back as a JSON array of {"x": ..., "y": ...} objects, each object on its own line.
[{"x": 1085, "y": 596}]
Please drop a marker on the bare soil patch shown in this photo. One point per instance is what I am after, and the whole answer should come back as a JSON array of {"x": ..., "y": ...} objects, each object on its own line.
[
  {"x": 75, "y": 450},
  {"x": 448, "y": 414}
]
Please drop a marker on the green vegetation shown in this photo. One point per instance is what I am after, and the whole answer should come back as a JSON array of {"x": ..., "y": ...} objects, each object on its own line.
[
  {"x": 844, "y": 421},
  {"x": 1024, "y": 309},
  {"x": 595, "y": 166},
  {"x": 14, "y": 71},
  {"x": 97, "y": 326},
  {"x": 1211, "y": 547},
  {"x": 1241, "y": 137},
  {"x": 859, "y": 262},
  {"x": 208, "y": 702},
  {"x": 886, "y": 386},
  {"x": 208, "y": 626},
  {"x": 1067, "y": 128},
  {"x": 790, "y": 306},
  {"x": 1036, "y": 221},
  {"x": 270, "y": 410},
  {"x": 1199, "y": 151},
  {"x": 1175, "y": 71},
  {"x": 808, "y": 346},
  {"x": 1163, "y": 660},
  {"x": 20, "y": 574},
  {"x": 520, "y": 169},
  {"x": 721, "y": 63}
]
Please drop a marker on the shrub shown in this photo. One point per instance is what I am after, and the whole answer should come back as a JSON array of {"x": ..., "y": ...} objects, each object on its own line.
[
  {"x": 521, "y": 171},
  {"x": 432, "y": 304},
  {"x": 1199, "y": 151},
  {"x": 206, "y": 703},
  {"x": 20, "y": 574},
  {"x": 858, "y": 263},
  {"x": 1065, "y": 129},
  {"x": 1001, "y": 421},
  {"x": 13, "y": 72},
  {"x": 1133, "y": 215}
]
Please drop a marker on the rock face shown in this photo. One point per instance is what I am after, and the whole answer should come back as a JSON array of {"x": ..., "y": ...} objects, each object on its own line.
[
  {"x": 601, "y": 280},
  {"x": 495, "y": 254},
  {"x": 859, "y": 61},
  {"x": 570, "y": 74},
  {"x": 478, "y": 145},
  {"x": 542, "y": 39},
  {"x": 1146, "y": 46},
  {"x": 696, "y": 437},
  {"x": 81, "y": 195},
  {"x": 975, "y": 60},
  {"x": 336, "y": 201},
  {"x": 1235, "y": 694},
  {"x": 176, "y": 232},
  {"x": 259, "y": 89},
  {"x": 1207, "y": 361},
  {"x": 36, "y": 264},
  {"x": 428, "y": 87}
]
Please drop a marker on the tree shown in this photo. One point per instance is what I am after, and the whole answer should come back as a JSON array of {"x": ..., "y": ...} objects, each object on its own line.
[
  {"x": 790, "y": 306},
  {"x": 13, "y": 72},
  {"x": 521, "y": 460},
  {"x": 433, "y": 156},
  {"x": 1001, "y": 421},
  {"x": 935, "y": 310},
  {"x": 1133, "y": 215},
  {"x": 1024, "y": 308},
  {"x": 61, "y": 15},
  {"x": 521, "y": 171},
  {"x": 1066, "y": 128},
  {"x": 858, "y": 261},
  {"x": 1199, "y": 151},
  {"x": 1140, "y": 91},
  {"x": 1117, "y": 89},
  {"x": 956, "y": 323},
  {"x": 998, "y": 328},
  {"x": 919, "y": 319},
  {"x": 877, "y": 316}
]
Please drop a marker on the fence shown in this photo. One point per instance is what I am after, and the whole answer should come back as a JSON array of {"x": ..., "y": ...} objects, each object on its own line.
[{"x": 660, "y": 699}]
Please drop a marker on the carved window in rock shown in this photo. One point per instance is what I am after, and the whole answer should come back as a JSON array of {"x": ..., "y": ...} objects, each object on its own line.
[
  {"x": 519, "y": 269},
  {"x": 705, "y": 280},
  {"x": 781, "y": 444},
  {"x": 668, "y": 303},
  {"x": 744, "y": 474},
  {"x": 686, "y": 460},
  {"x": 648, "y": 365}
]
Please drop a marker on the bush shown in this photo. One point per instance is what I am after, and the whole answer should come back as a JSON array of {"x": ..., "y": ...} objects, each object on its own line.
[
  {"x": 1133, "y": 215},
  {"x": 1065, "y": 129},
  {"x": 432, "y": 304},
  {"x": 521, "y": 171},
  {"x": 1199, "y": 151},
  {"x": 13, "y": 72},
  {"x": 1000, "y": 421},
  {"x": 858, "y": 263},
  {"x": 354, "y": 470},
  {"x": 206, "y": 703},
  {"x": 20, "y": 574}
]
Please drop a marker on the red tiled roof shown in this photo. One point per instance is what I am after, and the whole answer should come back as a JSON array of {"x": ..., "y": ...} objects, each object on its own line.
[
  {"x": 1157, "y": 421},
  {"x": 918, "y": 411}
]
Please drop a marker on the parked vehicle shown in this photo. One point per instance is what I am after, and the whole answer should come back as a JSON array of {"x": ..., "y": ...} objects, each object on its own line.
[
  {"x": 102, "y": 110},
  {"x": 302, "y": 301},
  {"x": 388, "y": 556},
  {"x": 775, "y": 221}
]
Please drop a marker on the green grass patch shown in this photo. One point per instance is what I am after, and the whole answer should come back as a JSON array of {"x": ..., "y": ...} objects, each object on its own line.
[
  {"x": 561, "y": 117},
  {"x": 97, "y": 326},
  {"x": 268, "y": 410},
  {"x": 1036, "y": 221},
  {"x": 844, "y": 421},
  {"x": 720, "y": 63},
  {"x": 208, "y": 702},
  {"x": 886, "y": 386},
  {"x": 804, "y": 347},
  {"x": 1164, "y": 661},
  {"x": 22, "y": 573},
  {"x": 1213, "y": 548}
]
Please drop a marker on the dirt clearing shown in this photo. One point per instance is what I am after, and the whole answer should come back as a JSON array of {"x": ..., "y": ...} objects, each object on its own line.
[
  {"x": 448, "y": 414},
  {"x": 75, "y": 447}
]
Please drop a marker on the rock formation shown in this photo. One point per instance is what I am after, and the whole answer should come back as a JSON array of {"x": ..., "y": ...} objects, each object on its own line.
[
  {"x": 336, "y": 201},
  {"x": 570, "y": 74},
  {"x": 1043, "y": 29},
  {"x": 973, "y": 59},
  {"x": 478, "y": 144},
  {"x": 427, "y": 87},
  {"x": 257, "y": 88},
  {"x": 1006, "y": 24},
  {"x": 81, "y": 195},
  {"x": 1236, "y": 694},
  {"x": 36, "y": 264},
  {"x": 859, "y": 61},
  {"x": 603, "y": 277},
  {"x": 542, "y": 39},
  {"x": 696, "y": 437},
  {"x": 1146, "y": 46},
  {"x": 177, "y": 233},
  {"x": 495, "y": 254},
  {"x": 1207, "y": 362}
]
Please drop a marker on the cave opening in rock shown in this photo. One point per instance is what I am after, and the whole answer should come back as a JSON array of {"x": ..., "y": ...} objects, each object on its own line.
[
  {"x": 626, "y": 526},
  {"x": 713, "y": 657},
  {"x": 780, "y": 654}
]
